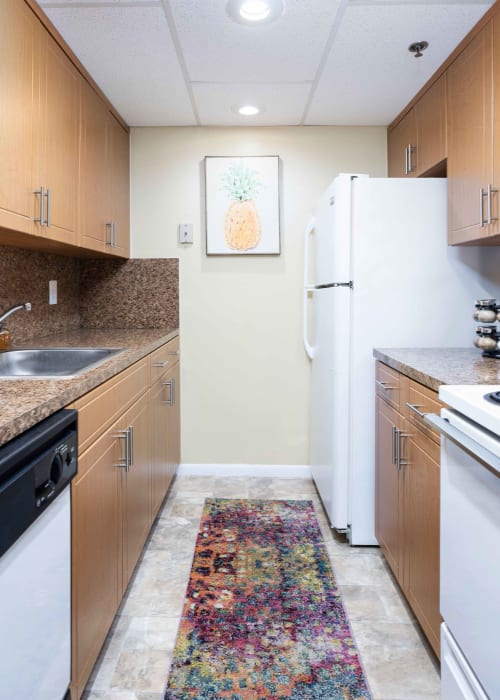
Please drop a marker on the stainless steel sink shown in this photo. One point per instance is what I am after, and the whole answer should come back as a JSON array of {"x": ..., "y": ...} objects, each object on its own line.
[{"x": 51, "y": 362}]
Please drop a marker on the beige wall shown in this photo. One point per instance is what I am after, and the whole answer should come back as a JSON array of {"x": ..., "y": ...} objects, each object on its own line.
[{"x": 245, "y": 376}]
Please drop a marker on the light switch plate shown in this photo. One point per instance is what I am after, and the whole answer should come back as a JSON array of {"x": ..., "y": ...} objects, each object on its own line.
[
  {"x": 53, "y": 292},
  {"x": 185, "y": 233}
]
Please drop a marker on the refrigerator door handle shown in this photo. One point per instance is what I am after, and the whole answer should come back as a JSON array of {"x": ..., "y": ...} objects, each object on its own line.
[
  {"x": 310, "y": 350},
  {"x": 307, "y": 242}
]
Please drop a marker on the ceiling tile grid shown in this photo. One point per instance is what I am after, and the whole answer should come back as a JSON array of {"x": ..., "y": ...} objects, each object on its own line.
[{"x": 185, "y": 62}]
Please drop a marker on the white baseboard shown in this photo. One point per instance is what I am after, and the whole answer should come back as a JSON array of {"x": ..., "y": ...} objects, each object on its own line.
[{"x": 280, "y": 471}]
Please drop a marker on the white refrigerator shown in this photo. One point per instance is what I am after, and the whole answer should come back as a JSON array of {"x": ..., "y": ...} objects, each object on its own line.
[{"x": 378, "y": 273}]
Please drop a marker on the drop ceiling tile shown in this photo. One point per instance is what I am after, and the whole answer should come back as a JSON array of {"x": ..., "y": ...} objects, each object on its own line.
[
  {"x": 217, "y": 49},
  {"x": 129, "y": 53},
  {"x": 283, "y": 104},
  {"x": 370, "y": 75}
]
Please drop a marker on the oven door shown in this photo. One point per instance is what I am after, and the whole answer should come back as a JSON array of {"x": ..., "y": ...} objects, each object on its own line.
[{"x": 470, "y": 542}]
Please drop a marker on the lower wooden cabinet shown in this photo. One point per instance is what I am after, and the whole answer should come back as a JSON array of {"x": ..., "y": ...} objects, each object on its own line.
[
  {"x": 407, "y": 495},
  {"x": 128, "y": 453}
]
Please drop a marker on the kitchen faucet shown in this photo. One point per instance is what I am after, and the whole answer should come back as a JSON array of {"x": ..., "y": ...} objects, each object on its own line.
[{"x": 5, "y": 338}]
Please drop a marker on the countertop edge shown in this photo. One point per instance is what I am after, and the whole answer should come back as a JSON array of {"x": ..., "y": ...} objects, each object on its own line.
[{"x": 74, "y": 388}]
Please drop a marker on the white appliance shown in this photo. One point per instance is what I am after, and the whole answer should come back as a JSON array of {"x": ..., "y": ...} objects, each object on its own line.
[
  {"x": 377, "y": 273},
  {"x": 470, "y": 535}
]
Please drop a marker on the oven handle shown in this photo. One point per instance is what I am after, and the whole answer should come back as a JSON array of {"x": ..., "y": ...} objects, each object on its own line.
[{"x": 445, "y": 428}]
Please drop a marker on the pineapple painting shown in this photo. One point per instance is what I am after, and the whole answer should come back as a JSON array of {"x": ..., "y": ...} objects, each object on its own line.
[
  {"x": 242, "y": 227},
  {"x": 242, "y": 205}
]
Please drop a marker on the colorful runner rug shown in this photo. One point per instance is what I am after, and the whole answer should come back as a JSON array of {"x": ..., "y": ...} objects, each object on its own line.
[{"x": 263, "y": 618}]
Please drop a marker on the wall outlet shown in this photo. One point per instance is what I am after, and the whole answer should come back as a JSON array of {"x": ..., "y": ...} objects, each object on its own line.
[
  {"x": 53, "y": 292},
  {"x": 185, "y": 233}
]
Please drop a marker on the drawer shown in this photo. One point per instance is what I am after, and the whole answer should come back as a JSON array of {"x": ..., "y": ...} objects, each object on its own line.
[
  {"x": 390, "y": 385},
  {"x": 98, "y": 409},
  {"x": 163, "y": 359},
  {"x": 422, "y": 400}
]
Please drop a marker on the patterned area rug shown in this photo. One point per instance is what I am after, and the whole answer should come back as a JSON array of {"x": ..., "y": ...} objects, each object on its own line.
[{"x": 263, "y": 617}]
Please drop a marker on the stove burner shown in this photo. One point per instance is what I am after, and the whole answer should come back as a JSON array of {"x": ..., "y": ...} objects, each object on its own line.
[{"x": 494, "y": 397}]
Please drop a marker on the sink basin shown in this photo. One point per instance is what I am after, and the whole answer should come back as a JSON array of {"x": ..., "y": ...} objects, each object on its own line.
[{"x": 51, "y": 362}]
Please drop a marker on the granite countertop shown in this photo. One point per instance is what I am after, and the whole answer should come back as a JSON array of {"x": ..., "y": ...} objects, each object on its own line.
[
  {"x": 435, "y": 366},
  {"x": 24, "y": 402}
]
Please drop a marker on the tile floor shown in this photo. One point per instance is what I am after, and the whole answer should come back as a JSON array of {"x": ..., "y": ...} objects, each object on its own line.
[{"x": 136, "y": 656}]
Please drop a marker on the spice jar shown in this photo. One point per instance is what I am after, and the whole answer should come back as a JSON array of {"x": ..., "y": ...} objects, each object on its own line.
[
  {"x": 487, "y": 338},
  {"x": 486, "y": 311}
]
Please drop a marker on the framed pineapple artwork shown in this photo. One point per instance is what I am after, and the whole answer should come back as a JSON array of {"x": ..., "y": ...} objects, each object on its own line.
[{"x": 242, "y": 205}]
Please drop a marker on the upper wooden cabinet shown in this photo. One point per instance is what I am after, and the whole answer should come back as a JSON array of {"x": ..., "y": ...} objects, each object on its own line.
[
  {"x": 417, "y": 144},
  {"x": 470, "y": 139},
  {"x": 104, "y": 177},
  {"x": 17, "y": 115},
  {"x": 65, "y": 157}
]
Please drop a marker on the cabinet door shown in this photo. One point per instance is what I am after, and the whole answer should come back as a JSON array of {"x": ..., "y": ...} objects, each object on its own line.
[
  {"x": 402, "y": 147},
  {"x": 119, "y": 182},
  {"x": 17, "y": 61},
  {"x": 136, "y": 486},
  {"x": 58, "y": 140},
  {"x": 96, "y": 553},
  {"x": 387, "y": 491},
  {"x": 421, "y": 515},
  {"x": 469, "y": 138},
  {"x": 431, "y": 126},
  {"x": 160, "y": 469},
  {"x": 94, "y": 214}
]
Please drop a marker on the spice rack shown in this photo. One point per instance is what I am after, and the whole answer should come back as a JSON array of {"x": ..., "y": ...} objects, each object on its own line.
[{"x": 487, "y": 339}]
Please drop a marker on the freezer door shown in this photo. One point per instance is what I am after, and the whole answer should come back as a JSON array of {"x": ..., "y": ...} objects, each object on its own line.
[
  {"x": 330, "y": 401},
  {"x": 458, "y": 682}
]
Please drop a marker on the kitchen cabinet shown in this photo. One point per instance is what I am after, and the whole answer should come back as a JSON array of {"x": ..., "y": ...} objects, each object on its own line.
[
  {"x": 104, "y": 192},
  {"x": 17, "y": 115},
  {"x": 128, "y": 452},
  {"x": 56, "y": 173},
  {"x": 417, "y": 144},
  {"x": 470, "y": 141},
  {"x": 65, "y": 173},
  {"x": 407, "y": 492}
]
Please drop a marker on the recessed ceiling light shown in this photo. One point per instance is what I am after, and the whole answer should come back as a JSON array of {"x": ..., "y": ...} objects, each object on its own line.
[
  {"x": 248, "y": 110},
  {"x": 255, "y": 12}
]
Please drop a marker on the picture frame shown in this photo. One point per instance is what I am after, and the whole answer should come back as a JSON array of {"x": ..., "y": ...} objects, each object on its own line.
[{"x": 242, "y": 205}]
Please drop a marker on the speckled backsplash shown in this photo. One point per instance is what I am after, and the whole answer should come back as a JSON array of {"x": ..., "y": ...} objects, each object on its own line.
[
  {"x": 25, "y": 276},
  {"x": 101, "y": 293},
  {"x": 140, "y": 293}
]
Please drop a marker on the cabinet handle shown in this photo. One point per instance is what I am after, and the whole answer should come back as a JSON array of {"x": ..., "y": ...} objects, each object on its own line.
[
  {"x": 482, "y": 194},
  {"x": 384, "y": 385},
  {"x": 414, "y": 407},
  {"x": 397, "y": 433},
  {"x": 109, "y": 229},
  {"x": 114, "y": 234},
  {"x": 173, "y": 352},
  {"x": 47, "y": 218},
  {"x": 401, "y": 463},
  {"x": 393, "y": 458},
  {"x": 124, "y": 463},
  {"x": 162, "y": 363},
  {"x": 411, "y": 150},
  {"x": 173, "y": 392},
  {"x": 406, "y": 161},
  {"x": 41, "y": 194},
  {"x": 170, "y": 384},
  {"x": 489, "y": 191},
  {"x": 130, "y": 432}
]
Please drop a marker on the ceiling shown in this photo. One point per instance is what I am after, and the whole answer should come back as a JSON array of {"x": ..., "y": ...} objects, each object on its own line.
[{"x": 323, "y": 62}]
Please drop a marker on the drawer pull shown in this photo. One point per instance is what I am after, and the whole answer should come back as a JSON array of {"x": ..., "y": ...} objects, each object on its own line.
[
  {"x": 173, "y": 352},
  {"x": 124, "y": 462},
  {"x": 384, "y": 385},
  {"x": 163, "y": 363},
  {"x": 171, "y": 390},
  {"x": 414, "y": 407}
]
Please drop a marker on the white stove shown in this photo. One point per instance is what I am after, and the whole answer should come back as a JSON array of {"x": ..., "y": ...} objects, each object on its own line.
[{"x": 470, "y": 536}]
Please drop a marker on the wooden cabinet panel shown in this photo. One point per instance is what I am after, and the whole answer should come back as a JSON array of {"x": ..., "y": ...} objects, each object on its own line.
[
  {"x": 407, "y": 502},
  {"x": 136, "y": 486},
  {"x": 96, "y": 554},
  {"x": 174, "y": 424},
  {"x": 94, "y": 214},
  {"x": 17, "y": 115},
  {"x": 470, "y": 138},
  {"x": 388, "y": 385},
  {"x": 431, "y": 126},
  {"x": 402, "y": 147},
  {"x": 422, "y": 533},
  {"x": 119, "y": 169},
  {"x": 387, "y": 488},
  {"x": 57, "y": 129}
]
